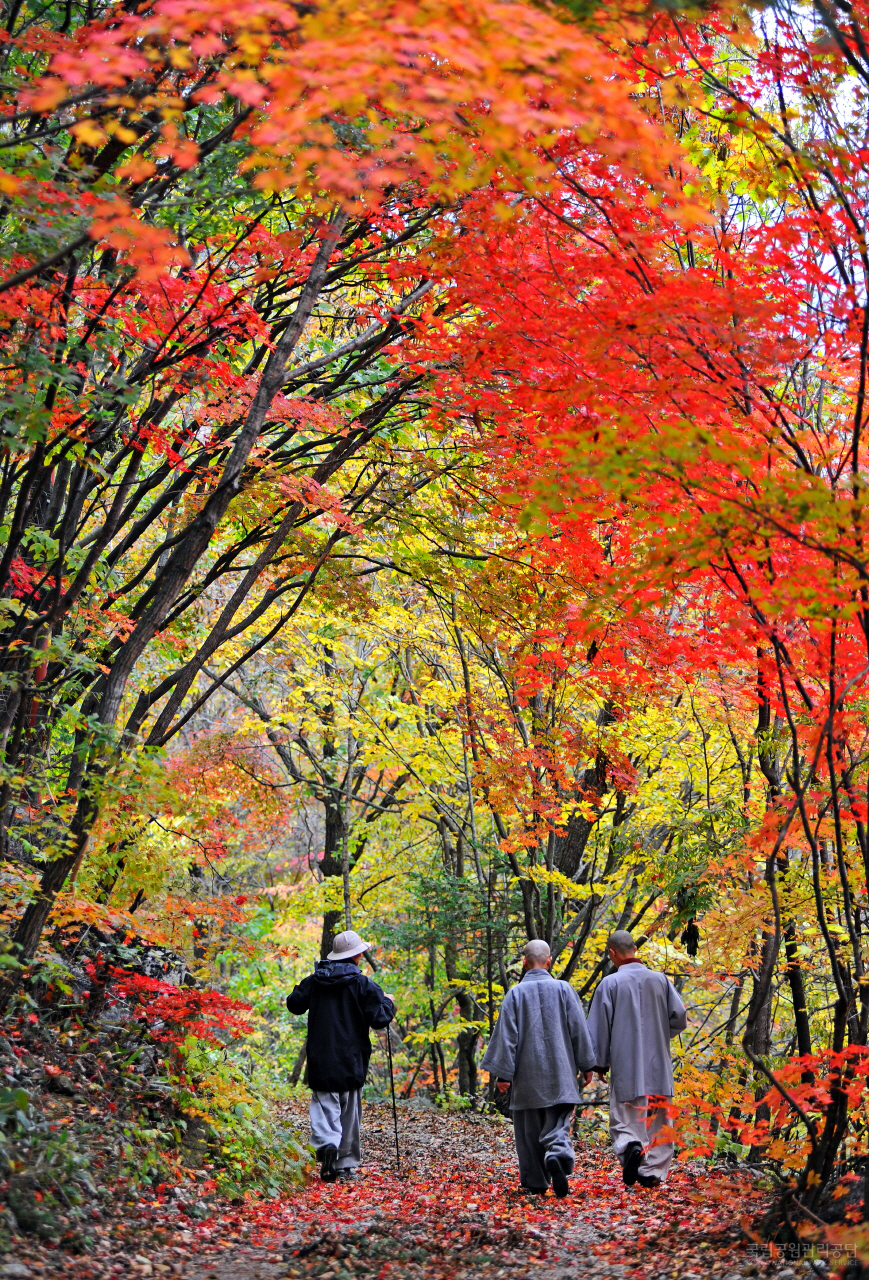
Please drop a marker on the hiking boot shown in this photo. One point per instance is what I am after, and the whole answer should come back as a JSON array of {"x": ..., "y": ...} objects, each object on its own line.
[
  {"x": 327, "y": 1156},
  {"x": 647, "y": 1180},
  {"x": 631, "y": 1166},
  {"x": 557, "y": 1176}
]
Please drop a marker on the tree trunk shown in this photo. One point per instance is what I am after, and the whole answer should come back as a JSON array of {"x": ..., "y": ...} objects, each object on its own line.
[
  {"x": 332, "y": 924},
  {"x": 468, "y": 1039},
  {"x": 467, "y": 1043},
  {"x": 758, "y": 1031},
  {"x": 331, "y": 864},
  {"x": 802, "y": 1026},
  {"x": 299, "y": 1065}
]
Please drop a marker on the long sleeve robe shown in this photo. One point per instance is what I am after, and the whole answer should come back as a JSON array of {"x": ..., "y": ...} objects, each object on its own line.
[
  {"x": 633, "y": 1017},
  {"x": 540, "y": 1042}
]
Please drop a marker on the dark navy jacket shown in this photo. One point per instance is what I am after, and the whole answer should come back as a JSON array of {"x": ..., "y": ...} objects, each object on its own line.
[{"x": 341, "y": 1004}]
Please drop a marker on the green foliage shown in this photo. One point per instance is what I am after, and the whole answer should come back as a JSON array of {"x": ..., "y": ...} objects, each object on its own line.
[
  {"x": 258, "y": 1154},
  {"x": 15, "y": 1109},
  {"x": 249, "y": 1149}
]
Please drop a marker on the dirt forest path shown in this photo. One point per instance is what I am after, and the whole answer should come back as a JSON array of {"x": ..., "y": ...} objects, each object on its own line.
[{"x": 457, "y": 1211}]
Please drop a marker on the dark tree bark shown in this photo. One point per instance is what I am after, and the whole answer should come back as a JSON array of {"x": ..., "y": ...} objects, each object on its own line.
[
  {"x": 802, "y": 1025},
  {"x": 468, "y": 1039},
  {"x": 570, "y": 848}
]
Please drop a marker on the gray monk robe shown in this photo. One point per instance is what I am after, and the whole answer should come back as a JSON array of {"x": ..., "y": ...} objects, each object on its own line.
[
  {"x": 541, "y": 1043},
  {"x": 633, "y": 1017}
]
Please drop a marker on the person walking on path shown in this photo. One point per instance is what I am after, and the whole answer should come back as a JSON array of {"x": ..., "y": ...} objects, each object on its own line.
[
  {"x": 539, "y": 1046},
  {"x": 633, "y": 1017},
  {"x": 341, "y": 1004}
]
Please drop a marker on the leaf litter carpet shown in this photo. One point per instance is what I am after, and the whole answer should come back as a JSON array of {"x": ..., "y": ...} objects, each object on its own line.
[{"x": 455, "y": 1211}]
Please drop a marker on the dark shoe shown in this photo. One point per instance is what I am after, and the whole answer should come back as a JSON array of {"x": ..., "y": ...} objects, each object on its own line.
[
  {"x": 631, "y": 1166},
  {"x": 560, "y": 1184},
  {"x": 327, "y": 1156},
  {"x": 648, "y": 1181},
  {"x": 345, "y": 1175},
  {"x": 534, "y": 1191}
]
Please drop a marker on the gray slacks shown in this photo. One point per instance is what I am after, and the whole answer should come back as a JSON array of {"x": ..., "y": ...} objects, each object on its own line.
[
  {"x": 539, "y": 1132},
  {"x": 335, "y": 1120},
  {"x": 637, "y": 1121}
]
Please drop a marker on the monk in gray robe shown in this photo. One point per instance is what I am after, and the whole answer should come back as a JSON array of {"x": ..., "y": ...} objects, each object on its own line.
[
  {"x": 539, "y": 1046},
  {"x": 633, "y": 1017}
]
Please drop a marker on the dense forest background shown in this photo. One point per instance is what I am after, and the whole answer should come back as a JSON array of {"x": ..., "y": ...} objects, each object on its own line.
[{"x": 432, "y": 498}]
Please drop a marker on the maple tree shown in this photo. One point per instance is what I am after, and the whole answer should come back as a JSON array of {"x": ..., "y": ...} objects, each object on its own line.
[
  {"x": 684, "y": 413},
  {"x": 220, "y": 182}
]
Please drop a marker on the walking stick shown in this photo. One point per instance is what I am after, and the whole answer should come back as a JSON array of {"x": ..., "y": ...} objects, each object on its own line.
[{"x": 394, "y": 1109}]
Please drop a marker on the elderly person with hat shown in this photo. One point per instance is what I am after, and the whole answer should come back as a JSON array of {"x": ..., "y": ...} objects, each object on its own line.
[{"x": 341, "y": 1004}]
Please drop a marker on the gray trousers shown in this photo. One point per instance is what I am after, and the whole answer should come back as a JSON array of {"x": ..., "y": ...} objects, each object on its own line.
[
  {"x": 636, "y": 1121},
  {"x": 539, "y": 1132},
  {"x": 335, "y": 1119}
]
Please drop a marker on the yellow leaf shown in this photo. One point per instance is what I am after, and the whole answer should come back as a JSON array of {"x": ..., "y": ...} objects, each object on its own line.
[
  {"x": 122, "y": 133},
  {"x": 89, "y": 134}
]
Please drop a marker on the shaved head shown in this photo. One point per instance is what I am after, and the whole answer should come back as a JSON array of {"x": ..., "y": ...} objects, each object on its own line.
[
  {"x": 622, "y": 942},
  {"x": 536, "y": 953}
]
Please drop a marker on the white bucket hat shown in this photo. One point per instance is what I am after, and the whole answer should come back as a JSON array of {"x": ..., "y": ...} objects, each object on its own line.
[{"x": 347, "y": 945}]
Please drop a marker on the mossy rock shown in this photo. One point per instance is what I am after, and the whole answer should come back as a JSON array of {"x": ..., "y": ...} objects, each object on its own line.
[
  {"x": 34, "y": 1217},
  {"x": 198, "y": 1142}
]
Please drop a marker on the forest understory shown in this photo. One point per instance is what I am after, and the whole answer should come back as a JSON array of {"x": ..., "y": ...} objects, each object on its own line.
[{"x": 454, "y": 1210}]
